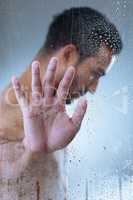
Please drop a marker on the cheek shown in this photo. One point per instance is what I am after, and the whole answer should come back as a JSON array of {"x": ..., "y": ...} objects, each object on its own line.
[
  {"x": 83, "y": 77},
  {"x": 75, "y": 84}
]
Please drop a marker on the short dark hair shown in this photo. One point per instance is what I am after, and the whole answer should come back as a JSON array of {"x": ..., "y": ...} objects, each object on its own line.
[{"x": 84, "y": 27}]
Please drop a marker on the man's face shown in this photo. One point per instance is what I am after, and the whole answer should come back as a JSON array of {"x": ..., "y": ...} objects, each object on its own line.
[{"x": 88, "y": 73}]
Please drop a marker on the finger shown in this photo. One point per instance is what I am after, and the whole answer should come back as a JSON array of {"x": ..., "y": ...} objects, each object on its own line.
[
  {"x": 36, "y": 81},
  {"x": 65, "y": 84},
  {"x": 79, "y": 113},
  {"x": 50, "y": 78},
  {"x": 20, "y": 95}
]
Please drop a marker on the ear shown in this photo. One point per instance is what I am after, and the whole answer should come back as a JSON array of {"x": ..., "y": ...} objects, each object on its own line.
[{"x": 69, "y": 54}]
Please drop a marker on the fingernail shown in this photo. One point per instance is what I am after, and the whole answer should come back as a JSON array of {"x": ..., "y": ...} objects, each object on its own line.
[
  {"x": 14, "y": 82},
  {"x": 72, "y": 67},
  {"x": 53, "y": 60},
  {"x": 35, "y": 65},
  {"x": 52, "y": 63},
  {"x": 13, "y": 79},
  {"x": 84, "y": 101}
]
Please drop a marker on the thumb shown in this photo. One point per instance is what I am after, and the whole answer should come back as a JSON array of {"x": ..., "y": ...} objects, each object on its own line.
[{"x": 79, "y": 112}]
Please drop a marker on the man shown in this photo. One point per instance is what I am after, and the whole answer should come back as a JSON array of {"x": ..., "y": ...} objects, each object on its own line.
[{"x": 81, "y": 43}]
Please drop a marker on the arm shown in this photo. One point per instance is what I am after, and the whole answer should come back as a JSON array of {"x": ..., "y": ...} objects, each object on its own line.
[{"x": 14, "y": 159}]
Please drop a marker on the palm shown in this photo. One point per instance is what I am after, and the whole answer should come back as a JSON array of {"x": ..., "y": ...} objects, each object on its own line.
[
  {"x": 61, "y": 131},
  {"x": 46, "y": 123}
]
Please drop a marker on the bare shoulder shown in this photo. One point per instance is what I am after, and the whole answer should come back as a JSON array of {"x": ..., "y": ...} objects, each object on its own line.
[{"x": 11, "y": 122}]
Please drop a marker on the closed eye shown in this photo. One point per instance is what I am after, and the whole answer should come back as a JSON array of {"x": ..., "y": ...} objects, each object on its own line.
[{"x": 98, "y": 74}]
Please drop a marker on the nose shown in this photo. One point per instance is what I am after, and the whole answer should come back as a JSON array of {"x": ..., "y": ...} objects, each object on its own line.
[{"x": 93, "y": 86}]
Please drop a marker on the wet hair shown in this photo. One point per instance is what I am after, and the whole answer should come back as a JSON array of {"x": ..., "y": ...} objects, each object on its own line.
[{"x": 84, "y": 27}]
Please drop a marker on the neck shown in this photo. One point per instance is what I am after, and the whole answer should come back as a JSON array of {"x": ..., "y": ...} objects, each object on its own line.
[{"x": 26, "y": 77}]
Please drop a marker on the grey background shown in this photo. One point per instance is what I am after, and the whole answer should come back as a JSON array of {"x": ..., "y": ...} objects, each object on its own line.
[{"x": 100, "y": 159}]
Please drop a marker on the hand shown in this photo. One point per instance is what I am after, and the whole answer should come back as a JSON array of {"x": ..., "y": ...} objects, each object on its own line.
[{"x": 47, "y": 126}]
